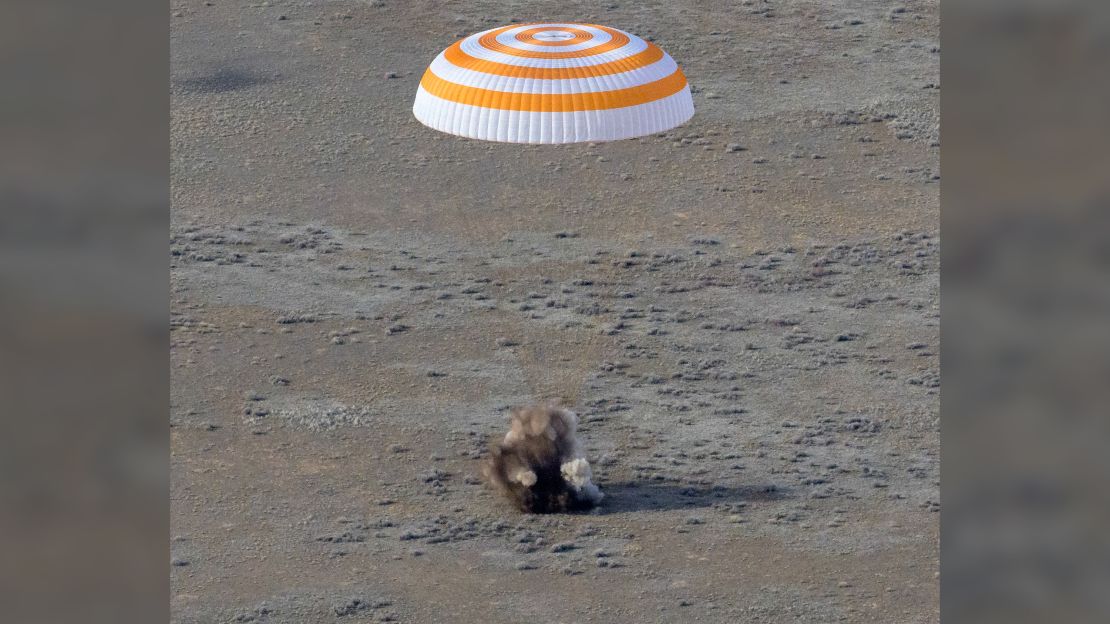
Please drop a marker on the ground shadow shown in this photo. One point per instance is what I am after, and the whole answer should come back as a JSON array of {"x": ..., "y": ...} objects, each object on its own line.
[
  {"x": 631, "y": 496},
  {"x": 222, "y": 81}
]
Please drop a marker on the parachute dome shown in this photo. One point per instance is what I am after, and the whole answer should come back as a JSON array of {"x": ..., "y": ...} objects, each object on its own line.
[{"x": 553, "y": 83}]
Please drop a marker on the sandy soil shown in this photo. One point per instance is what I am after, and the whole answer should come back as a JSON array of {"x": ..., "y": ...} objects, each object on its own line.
[{"x": 745, "y": 311}]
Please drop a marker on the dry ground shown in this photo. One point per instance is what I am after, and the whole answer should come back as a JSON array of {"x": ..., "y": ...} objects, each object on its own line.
[{"x": 745, "y": 311}]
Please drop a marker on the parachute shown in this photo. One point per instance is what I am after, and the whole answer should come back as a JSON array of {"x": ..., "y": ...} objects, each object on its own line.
[{"x": 553, "y": 83}]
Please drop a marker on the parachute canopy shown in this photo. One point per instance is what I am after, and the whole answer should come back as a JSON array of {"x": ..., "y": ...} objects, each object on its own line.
[{"x": 553, "y": 83}]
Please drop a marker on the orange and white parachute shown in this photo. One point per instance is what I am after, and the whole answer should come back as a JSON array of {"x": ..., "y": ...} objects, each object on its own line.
[{"x": 553, "y": 83}]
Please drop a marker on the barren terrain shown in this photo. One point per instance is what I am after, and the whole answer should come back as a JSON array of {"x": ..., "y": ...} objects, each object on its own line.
[{"x": 744, "y": 311}]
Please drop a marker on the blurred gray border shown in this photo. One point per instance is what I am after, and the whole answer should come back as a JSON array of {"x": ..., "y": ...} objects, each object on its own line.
[
  {"x": 1026, "y": 330},
  {"x": 84, "y": 379}
]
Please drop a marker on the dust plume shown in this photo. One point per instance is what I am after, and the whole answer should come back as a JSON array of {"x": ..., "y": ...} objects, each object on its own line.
[{"x": 540, "y": 465}]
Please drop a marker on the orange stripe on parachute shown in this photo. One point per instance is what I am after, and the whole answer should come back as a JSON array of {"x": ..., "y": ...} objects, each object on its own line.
[
  {"x": 529, "y": 36},
  {"x": 553, "y": 102},
  {"x": 456, "y": 56},
  {"x": 490, "y": 42}
]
